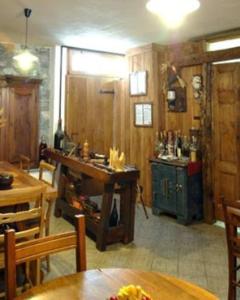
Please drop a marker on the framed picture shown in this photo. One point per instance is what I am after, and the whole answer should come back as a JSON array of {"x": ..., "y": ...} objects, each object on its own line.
[
  {"x": 138, "y": 83},
  {"x": 143, "y": 114}
]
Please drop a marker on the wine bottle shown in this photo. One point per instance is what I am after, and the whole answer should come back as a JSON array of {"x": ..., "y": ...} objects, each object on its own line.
[
  {"x": 42, "y": 147},
  {"x": 58, "y": 136},
  {"x": 179, "y": 145},
  {"x": 113, "y": 220}
]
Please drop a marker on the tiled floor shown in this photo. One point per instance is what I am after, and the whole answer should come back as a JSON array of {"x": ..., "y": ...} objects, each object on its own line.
[{"x": 196, "y": 253}]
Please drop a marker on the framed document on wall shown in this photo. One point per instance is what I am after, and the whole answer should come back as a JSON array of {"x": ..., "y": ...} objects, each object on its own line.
[
  {"x": 143, "y": 114},
  {"x": 138, "y": 83}
]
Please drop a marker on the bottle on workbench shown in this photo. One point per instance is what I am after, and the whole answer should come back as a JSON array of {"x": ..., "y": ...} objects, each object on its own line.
[
  {"x": 113, "y": 220},
  {"x": 42, "y": 147},
  {"x": 58, "y": 136}
]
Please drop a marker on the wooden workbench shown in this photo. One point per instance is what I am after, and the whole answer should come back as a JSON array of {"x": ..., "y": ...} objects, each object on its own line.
[{"x": 127, "y": 180}]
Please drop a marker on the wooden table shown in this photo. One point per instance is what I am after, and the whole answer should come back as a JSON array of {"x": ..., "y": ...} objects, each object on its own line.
[
  {"x": 127, "y": 180},
  {"x": 23, "y": 183},
  {"x": 101, "y": 284}
]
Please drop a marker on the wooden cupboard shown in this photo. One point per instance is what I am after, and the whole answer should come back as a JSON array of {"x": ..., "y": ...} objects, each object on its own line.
[
  {"x": 19, "y": 97},
  {"x": 177, "y": 189}
]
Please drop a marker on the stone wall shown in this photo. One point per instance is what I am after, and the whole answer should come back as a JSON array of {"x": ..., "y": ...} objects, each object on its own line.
[{"x": 41, "y": 70}]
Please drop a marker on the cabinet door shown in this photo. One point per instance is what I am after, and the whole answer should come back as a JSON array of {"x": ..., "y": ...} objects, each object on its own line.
[
  {"x": 164, "y": 187},
  {"x": 182, "y": 193},
  {"x": 156, "y": 186}
]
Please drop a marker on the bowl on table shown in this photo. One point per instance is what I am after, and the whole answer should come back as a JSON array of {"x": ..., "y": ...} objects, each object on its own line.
[{"x": 6, "y": 181}]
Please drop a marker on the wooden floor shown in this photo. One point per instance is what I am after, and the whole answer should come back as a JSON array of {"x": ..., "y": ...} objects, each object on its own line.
[{"x": 196, "y": 253}]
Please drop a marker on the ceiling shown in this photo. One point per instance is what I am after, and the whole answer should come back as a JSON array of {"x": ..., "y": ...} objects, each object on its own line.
[{"x": 110, "y": 25}]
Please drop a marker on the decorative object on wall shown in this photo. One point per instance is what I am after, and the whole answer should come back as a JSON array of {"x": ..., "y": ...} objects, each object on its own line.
[
  {"x": 172, "y": 12},
  {"x": 138, "y": 83},
  {"x": 176, "y": 90},
  {"x": 2, "y": 119},
  {"x": 176, "y": 98},
  {"x": 197, "y": 86},
  {"x": 143, "y": 114},
  {"x": 25, "y": 60}
]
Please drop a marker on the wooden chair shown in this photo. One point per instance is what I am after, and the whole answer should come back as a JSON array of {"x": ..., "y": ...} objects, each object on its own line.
[
  {"x": 231, "y": 213},
  {"x": 24, "y": 162},
  {"x": 27, "y": 217},
  {"x": 25, "y": 252},
  {"x": 50, "y": 196}
]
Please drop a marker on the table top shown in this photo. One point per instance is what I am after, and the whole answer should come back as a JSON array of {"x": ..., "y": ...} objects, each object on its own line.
[
  {"x": 22, "y": 183},
  {"x": 95, "y": 171},
  {"x": 102, "y": 283}
]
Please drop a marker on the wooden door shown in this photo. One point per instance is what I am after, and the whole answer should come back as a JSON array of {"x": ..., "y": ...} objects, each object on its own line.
[
  {"x": 23, "y": 122},
  {"x": 89, "y": 111},
  {"x": 226, "y": 133}
]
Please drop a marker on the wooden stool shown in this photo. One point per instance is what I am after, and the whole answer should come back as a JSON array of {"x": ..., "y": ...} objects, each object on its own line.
[
  {"x": 231, "y": 211},
  {"x": 24, "y": 162},
  {"x": 50, "y": 196}
]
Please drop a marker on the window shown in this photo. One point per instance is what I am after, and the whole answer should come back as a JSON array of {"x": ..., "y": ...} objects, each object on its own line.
[
  {"x": 224, "y": 44},
  {"x": 97, "y": 63}
]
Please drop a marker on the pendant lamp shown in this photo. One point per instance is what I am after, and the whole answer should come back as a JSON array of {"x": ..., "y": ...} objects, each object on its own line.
[
  {"x": 172, "y": 12},
  {"x": 25, "y": 60}
]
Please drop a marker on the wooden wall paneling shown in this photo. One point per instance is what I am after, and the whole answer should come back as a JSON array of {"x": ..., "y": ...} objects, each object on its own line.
[
  {"x": 185, "y": 120},
  {"x": 142, "y": 138},
  {"x": 121, "y": 118}
]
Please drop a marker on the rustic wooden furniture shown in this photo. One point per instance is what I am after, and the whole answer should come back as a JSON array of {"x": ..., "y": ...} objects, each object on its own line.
[
  {"x": 19, "y": 96},
  {"x": 103, "y": 283},
  {"x": 231, "y": 211},
  {"x": 16, "y": 254},
  {"x": 177, "y": 189},
  {"x": 22, "y": 183},
  {"x": 24, "y": 162},
  {"x": 100, "y": 227},
  {"x": 50, "y": 195}
]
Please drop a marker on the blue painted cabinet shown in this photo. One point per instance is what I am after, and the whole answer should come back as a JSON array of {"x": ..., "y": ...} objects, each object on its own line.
[{"x": 177, "y": 190}]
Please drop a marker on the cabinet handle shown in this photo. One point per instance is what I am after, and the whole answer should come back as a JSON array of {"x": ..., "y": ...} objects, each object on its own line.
[
  {"x": 167, "y": 189},
  {"x": 179, "y": 187}
]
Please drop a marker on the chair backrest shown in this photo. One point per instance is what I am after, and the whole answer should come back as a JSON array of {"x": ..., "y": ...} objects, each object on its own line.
[
  {"x": 25, "y": 213},
  {"x": 43, "y": 166},
  {"x": 24, "y": 252},
  {"x": 231, "y": 212},
  {"x": 24, "y": 162}
]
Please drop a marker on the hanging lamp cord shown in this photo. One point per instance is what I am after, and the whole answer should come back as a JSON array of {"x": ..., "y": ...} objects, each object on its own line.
[
  {"x": 26, "y": 33},
  {"x": 27, "y": 13}
]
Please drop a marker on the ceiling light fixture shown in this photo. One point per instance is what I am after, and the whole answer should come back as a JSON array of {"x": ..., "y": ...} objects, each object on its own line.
[
  {"x": 26, "y": 59},
  {"x": 172, "y": 12}
]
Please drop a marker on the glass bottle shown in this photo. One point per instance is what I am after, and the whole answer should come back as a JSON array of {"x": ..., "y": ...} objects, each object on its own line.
[
  {"x": 58, "y": 136},
  {"x": 185, "y": 146},
  {"x": 113, "y": 220},
  {"x": 179, "y": 144},
  {"x": 156, "y": 145},
  {"x": 170, "y": 143},
  {"x": 161, "y": 145},
  {"x": 193, "y": 149},
  {"x": 42, "y": 147}
]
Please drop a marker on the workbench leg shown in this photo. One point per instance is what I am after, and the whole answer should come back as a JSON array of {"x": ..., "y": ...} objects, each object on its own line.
[
  {"x": 105, "y": 215},
  {"x": 129, "y": 211}
]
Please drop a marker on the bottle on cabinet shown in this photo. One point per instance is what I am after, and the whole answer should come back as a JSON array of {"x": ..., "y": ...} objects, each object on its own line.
[
  {"x": 58, "y": 136},
  {"x": 113, "y": 220}
]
